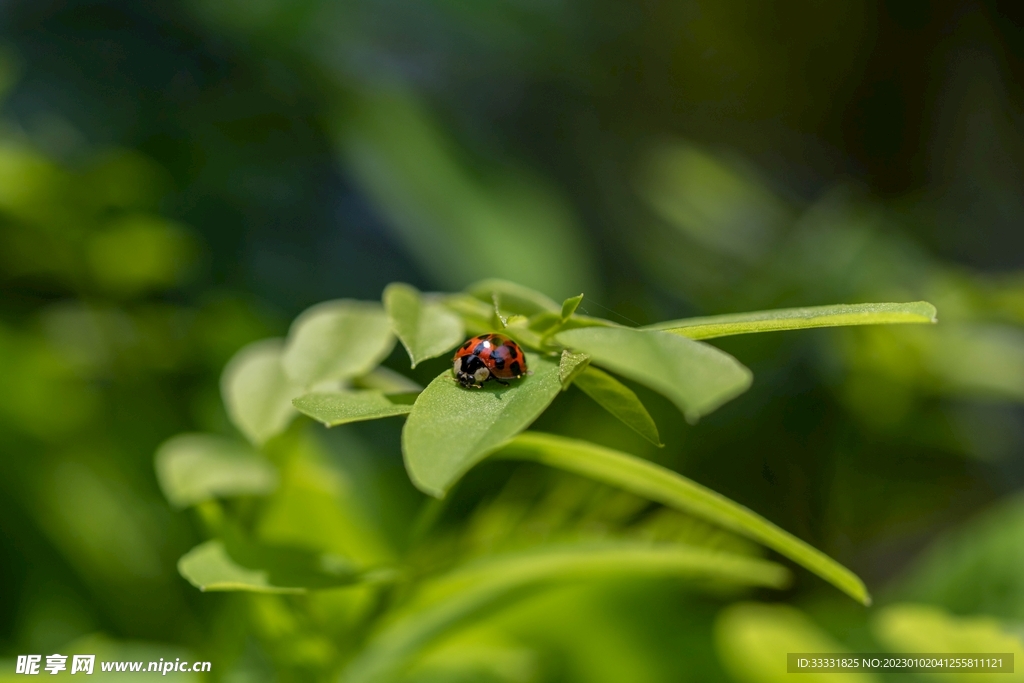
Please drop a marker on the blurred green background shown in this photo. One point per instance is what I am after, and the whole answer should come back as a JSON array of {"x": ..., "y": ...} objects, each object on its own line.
[{"x": 178, "y": 179}]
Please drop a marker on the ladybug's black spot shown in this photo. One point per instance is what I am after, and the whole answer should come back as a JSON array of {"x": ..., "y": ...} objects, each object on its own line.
[
  {"x": 516, "y": 368},
  {"x": 499, "y": 361},
  {"x": 465, "y": 346},
  {"x": 479, "y": 349}
]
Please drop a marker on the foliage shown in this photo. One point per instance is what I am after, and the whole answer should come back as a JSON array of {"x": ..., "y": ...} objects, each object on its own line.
[
  {"x": 450, "y": 429},
  {"x": 178, "y": 180}
]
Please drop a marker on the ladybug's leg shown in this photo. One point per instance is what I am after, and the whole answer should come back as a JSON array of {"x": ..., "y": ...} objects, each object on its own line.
[{"x": 504, "y": 384}]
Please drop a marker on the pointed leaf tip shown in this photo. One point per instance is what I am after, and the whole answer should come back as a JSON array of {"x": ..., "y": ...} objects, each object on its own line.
[
  {"x": 570, "y": 305},
  {"x": 839, "y": 315},
  {"x": 664, "y": 486},
  {"x": 426, "y": 329}
]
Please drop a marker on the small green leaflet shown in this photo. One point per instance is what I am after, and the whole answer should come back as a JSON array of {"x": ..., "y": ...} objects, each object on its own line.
[
  {"x": 208, "y": 567},
  {"x": 570, "y": 305},
  {"x": 239, "y": 565},
  {"x": 192, "y": 468},
  {"x": 451, "y": 428},
  {"x": 799, "y": 318},
  {"x": 426, "y": 329},
  {"x": 341, "y": 407},
  {"x": 570, "y": 365},
  {"x": 669, "y": 488},
  {"x": 697, "y": 377},
  {"x": 337, "y": 340},
  {"x": 619, "y": 400},
  {"x": 256, "y": 391}
]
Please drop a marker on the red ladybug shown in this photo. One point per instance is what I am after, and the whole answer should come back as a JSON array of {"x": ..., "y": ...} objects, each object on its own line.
[{"x": 487, "y": 357}]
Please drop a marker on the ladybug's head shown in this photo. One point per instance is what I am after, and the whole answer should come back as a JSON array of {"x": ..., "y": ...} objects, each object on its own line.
[{"x": 471, "y": 371}]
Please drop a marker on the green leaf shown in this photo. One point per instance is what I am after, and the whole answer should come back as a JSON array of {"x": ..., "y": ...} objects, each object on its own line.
[
  {"x": 451, "y": 428},
  {"x": 619, "y": 400},
  {"x": 192, "y": 468},
  {"x": 237, "y": 565},
  {"x": 449, "y": 602},
  {"x": 426, "y": 329},
  {"x": 512, "y": 297},
  {"x": 257, "y": 393},
  {"x": 338, "y": 408},
  {"x": 570, "y": 305},
  {"x": 674, "y": 490},
  {"x": 208, "y": 567},
  {"x": 570, "y": 366},
  {"x": 337, "y": 340},
  {"x": 697, "y": 377},
  {"x": 799, "y": 318}
]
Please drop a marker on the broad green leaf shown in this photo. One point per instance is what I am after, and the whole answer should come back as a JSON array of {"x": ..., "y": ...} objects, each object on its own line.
[
  {"x": 511, "y": 297},
  {"x": 570, "y": 365},
  {"x": 426, "y": 329},
  {"x": 696, "y": 377},
  {"x": 341, "y": 407},
  {"x": 753, "y": 639},
  {"x": 387, "y": 381},
  {"x": 451, "y": 428},
  {"x": 570, "y": 305},
  {"x": 799, "y": 318},
  {"x": 451, "y": 601},
  {"x": 674, "y": 490},
  {"x": 211, "y": 567},
  {"x": 619, "y": 400},
  {"x": 337, "y": 340},
  {"x": 257, "y": 393},
  {"x": 192, "y": 468}
]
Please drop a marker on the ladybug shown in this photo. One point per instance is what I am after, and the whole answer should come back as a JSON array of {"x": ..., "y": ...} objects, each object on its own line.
[{"x": 487, "y": 357}]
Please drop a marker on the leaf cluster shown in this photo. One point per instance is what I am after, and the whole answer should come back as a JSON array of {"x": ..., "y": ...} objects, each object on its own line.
[{"x": 329, "y": 369}]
